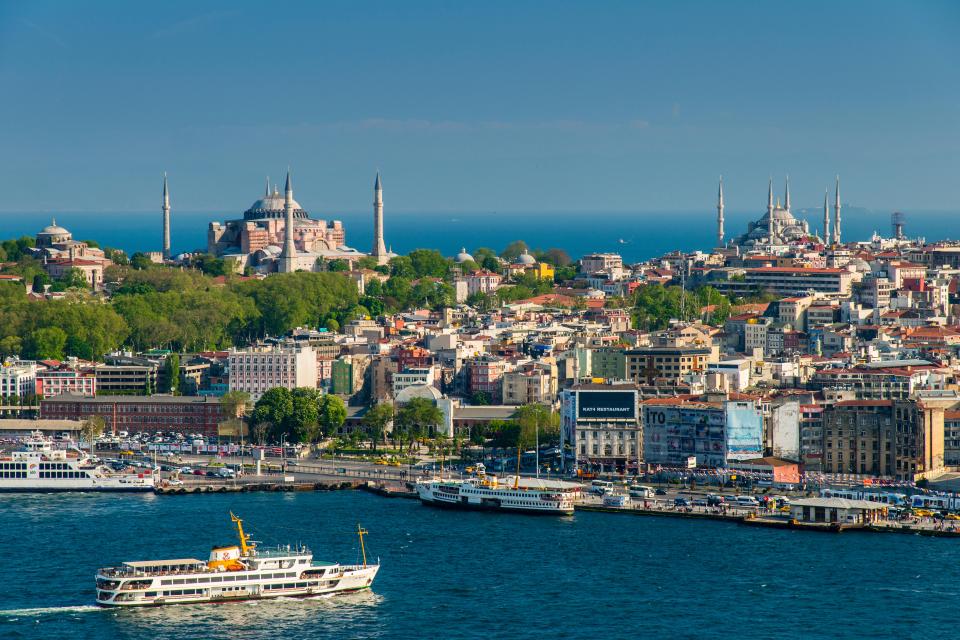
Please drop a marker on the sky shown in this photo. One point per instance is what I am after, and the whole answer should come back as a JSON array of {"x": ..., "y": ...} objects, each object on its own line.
[{"x": 513, "y": 106}]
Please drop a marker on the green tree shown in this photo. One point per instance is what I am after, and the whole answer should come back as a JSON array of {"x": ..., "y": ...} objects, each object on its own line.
[
  {"x": 173, "y": 373},
  {"x": 47, "y": 343},
  {"x": 513, "y": 250},
  {"x": 275, "y": 407},
  {"x": 402, "y": 266},
  {"x": 141, "y": 261},
  {"x": 303, "y": 424},
  {"x": 417, "y": 419},
  {"x": 235, "y": 404},
  {"x": 338, "y": 265},
  {"x": 91, "y": 429},
  {"x": 368, "y": 262},
  {"x": 375, "y": 422},
  {"x": 210, "y": 264},
  {"x": 10, "y": 346},
  {"x": 332, "y": 414},
  {"x": 537, "y": 423},
  {"x": 39, "y": 282},
  {"x": 429, "y": 263},
  {"x": 486, "y": 259}
]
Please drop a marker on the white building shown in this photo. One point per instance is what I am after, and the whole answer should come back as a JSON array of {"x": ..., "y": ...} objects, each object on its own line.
[
  {"x": 413, "y": 376},
  {"x": 18, "y": 378},
  {"x": 257, "y": 369},
  {"x": 596, "y": 262}
]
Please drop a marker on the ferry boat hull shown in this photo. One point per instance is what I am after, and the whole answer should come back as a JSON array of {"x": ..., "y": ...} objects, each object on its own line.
[
  {"x": 40, "y": 467},
  {"x": 232, "y": 573},
  {"x": 475, "y": 496},
  {"x": 354, "y": 580}
]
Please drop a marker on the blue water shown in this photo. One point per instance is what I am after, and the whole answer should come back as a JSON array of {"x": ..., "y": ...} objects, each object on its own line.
[
  {"x": 456, "y": 575},
  {"x": 645, "y": 235}
]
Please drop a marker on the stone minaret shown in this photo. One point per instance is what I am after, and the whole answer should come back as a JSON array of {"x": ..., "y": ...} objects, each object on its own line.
[
  {"x": 166, "y": 218},
  {"x": 379, "y": 248},
  {"x": 288, "y": 258},
  {"x": 770, "y": 209},
  {"x": 720, "y": 214},
  {"x": 836, "y": 213},
  {"x": 826, "y": 218},
  {"x": 786, "y": 195}
]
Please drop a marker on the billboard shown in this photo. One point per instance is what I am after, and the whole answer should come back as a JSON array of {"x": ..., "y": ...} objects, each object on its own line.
[
  {"x": 744, "y": 431},
  {"x": 607, "y": 405}
]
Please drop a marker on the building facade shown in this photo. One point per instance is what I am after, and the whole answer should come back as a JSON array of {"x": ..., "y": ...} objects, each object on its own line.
[
  {"x": 133, "y": 414},
  {"x": 601, "y": 424},
  {"x": 714, "y": 431},
  {"x": 257, "y": 369}
]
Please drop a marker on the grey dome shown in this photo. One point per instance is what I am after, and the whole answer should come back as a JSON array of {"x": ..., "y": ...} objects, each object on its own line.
[{"x": 526, "y": 258}]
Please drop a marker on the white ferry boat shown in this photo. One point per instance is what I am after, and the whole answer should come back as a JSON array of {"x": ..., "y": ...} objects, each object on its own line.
[
  {"x": 523, "y": 495},
  {"x": 39, "y": 467},
  {"x": 232, "y": 573}
]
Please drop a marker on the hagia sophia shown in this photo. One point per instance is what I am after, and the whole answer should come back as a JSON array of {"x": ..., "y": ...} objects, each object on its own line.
[{"x": 260, "y": 239}]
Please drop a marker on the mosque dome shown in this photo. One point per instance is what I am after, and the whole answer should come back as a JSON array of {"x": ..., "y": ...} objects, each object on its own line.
[
  {"x": 52, "y": 234},
  {"x": 271, "y": 205},
  {"x": 526, "y": 258},
  {"x": 53, "y": 229},
  {"x": 463, "y": 256},
  {"x": 425, "y": 391}
]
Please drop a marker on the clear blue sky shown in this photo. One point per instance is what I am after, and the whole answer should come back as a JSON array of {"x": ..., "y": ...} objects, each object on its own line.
[{"x": 499, "y": 106}]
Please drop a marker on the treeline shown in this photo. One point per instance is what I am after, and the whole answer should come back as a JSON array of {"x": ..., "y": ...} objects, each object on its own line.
[
  {"x": 162, "y": 307},
  {"x": 655, "y": 305}
]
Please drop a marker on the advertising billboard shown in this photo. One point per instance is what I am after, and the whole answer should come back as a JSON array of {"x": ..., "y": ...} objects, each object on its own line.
[{"x": 607, "y": 405}]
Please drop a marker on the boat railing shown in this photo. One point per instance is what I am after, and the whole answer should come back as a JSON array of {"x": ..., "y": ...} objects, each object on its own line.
[{"x": 281, "y": 552}]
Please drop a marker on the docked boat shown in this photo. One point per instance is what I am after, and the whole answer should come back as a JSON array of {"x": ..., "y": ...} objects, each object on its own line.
[
  {"x": 231, "y": 573},
  {"x": 522, "y": 495},
  {"x": 39, "y": 466}
]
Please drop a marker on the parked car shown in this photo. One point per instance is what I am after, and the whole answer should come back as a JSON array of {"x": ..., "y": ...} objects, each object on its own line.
[
  {"x": 661, "y": 492},
  {"x": 714, "y": 501},
  {"x": 681, "y": 502}
]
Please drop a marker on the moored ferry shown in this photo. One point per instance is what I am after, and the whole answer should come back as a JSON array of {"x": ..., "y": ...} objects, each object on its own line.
[
  {"x": 232, "y": 573},
  {"x": 522, "y": 495},
  {"x": 40, "y": 467}
]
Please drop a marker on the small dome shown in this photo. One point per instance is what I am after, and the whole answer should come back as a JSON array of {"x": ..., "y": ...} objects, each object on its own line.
[
  {"x": 526, "y": 258},
  {"x": 54, "y": 229},
  {"x": 425, "y": 391},
  {"x": 463, "y": 256}
]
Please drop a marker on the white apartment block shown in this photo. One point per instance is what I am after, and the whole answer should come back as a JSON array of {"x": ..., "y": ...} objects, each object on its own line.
[
  {"x": 257, "y": 369},
  {"x": 18, "y": 378},
  {"x": 596, "y": 262},
  {"x": 412, "y": 377}
]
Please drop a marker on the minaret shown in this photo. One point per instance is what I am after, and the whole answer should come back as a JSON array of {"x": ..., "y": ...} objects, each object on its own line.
[
  {"x": 379, "y": 249},
  {"x": 770, "y": 209},
  {"x": 288, "y": 257},
  {"x": 836, "y": 213},
  {"x": 786, "y": 195},
  {"x": 720, "y": 214},
  {"x": 166, "y": 218},
  {"x": 826, "y": 218}
]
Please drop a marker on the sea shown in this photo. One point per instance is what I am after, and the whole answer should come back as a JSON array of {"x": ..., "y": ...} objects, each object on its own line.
[
  {"x": 636, "y": 236},
  {"x": 465, "y": 575}
]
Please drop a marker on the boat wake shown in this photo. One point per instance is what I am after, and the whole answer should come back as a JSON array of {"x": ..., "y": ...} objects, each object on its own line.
[{"x": 46, "y": 611}]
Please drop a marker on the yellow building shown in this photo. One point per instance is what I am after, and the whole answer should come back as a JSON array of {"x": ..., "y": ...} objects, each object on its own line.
[{"x": 542, "y": 270}]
